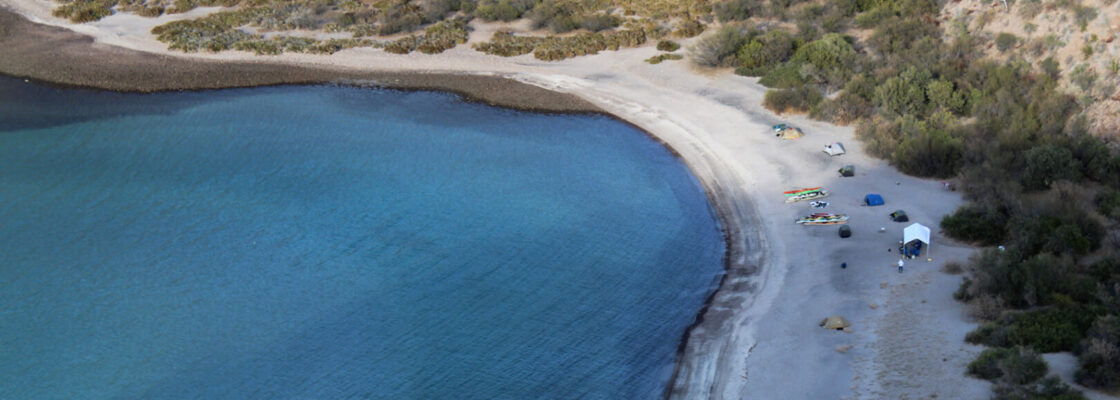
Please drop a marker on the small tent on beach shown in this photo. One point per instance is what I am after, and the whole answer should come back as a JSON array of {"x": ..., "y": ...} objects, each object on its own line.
[
  {"x": 848, "y": 170},
  {"x": 834, "y": 149},
  {"x": 873, "y": 199},
  {"x": 834, "y": 322},
  {"x": 790, "y": 133},
  {"x": 899, "y": 216}
]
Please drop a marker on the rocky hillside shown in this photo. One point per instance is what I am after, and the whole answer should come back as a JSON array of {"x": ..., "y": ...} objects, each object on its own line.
[{"x": 1081, "y": 37}]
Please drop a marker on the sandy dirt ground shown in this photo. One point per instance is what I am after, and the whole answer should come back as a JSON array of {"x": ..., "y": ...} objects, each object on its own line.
[{"x": 759, "y": 337}]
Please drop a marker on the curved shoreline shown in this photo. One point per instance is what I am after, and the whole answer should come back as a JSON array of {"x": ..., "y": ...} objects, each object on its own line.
[{"x": 58, "y": 56}]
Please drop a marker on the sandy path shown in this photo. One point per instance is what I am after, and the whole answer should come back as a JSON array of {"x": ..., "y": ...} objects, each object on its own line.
[{"x": 758, "y": 338}]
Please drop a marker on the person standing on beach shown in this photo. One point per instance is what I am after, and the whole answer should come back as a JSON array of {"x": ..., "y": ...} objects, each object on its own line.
[{"x": 900, "y": 263}]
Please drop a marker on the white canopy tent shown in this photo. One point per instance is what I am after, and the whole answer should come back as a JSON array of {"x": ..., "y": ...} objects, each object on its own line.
[{"x": 914, "y": 232}]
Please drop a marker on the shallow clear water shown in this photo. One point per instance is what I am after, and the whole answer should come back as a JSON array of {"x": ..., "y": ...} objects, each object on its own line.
[{"x": 336, "y": 242}]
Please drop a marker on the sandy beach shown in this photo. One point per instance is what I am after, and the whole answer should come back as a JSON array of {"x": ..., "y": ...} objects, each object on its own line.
[{"x": 758, "y": 338}]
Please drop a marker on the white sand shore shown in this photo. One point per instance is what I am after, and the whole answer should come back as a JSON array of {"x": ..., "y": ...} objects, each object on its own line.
[{"x": 760, "y": 337}]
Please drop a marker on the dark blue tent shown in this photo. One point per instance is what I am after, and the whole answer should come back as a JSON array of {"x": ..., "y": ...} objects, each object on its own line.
[{"x": 873, "y": 200}]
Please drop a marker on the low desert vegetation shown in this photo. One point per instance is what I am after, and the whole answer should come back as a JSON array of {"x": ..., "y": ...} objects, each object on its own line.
[
  {"x": 663, "y": 57},
  {"x": 551, "y": 48},
  {"x": 1039, "y": 186},
  {"x": 668, "y": 45},
  {"x": 429, "y": 26}
]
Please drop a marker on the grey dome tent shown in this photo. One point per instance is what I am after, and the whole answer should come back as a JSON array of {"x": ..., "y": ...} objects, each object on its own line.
[
  {"x": 848, "y": 170},
  {"x": 834, "y": 149},
  {"x": 899, "y": 216}
]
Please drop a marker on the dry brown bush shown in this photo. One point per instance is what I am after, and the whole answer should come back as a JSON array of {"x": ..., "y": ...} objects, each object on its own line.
[
  {"x": 985, "y": 308},
  {"x": 952, "y": 267}
]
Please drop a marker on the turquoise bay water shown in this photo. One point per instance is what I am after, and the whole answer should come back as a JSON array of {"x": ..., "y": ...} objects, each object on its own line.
[{"x": 322, "y": 242}]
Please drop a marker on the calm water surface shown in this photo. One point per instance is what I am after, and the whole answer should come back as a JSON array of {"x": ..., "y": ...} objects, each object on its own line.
[{"x": 322, "y": 242}]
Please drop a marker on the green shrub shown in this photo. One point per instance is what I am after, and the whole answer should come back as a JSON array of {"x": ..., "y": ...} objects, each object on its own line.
[
  {"x": 1084, "y": 15},
  {"x": 718, "y": 49},
  {"x": 506, "y": 44},
  {"x": 599, "y": 22},
  {"x": 799, "y": 99},
  {"x": 662, "y": 57},
  {"x": 1022, "y": 366},
  {"x": 1047, "y": 164},
  {"x": 928, "y": 153},
  {"x": 396, "y": 22},
  {"x": 942, "y": 95},
  {"x": 1083, "y": 77},
  {"x": 752, "y": 58},
  {"x": 85, "y": 10},
  {"x": 784, "y": 76},
  {"x": 991, "y": 334},
  {"x": 872, "y": 18},
  {"x": 976, "y": 223},
  {"x": 844, "y": 109},
  {"x": 1005, "y": 41},
  {"x": 1040, "y": 278},
  {"x": 861, "y": 85},
  {"x": 443, "y": 36},
  {"x": 986, "y": 365},
  {"x": 1056, "y": 229},
  {"x": 1099, "y": 355},
  {"x": 1106, "y": 269},
  {"x": 1017, "y": 366},
  {"x": 807, "y": 31},
  {"x": 1108, "y": 203},
  {"x": 808, "y": 13},
  {"x": 880, "y": 136},
  {"x": 760, "y": 55},
  {"x": 552, "y": 48},
  {"x": 557, "y": 16},
  {"x": 689, "y": 28},
  {"x": 215, "y": 32},
  {"x": 1030, "y": 9},
  {"x": 834, "y": 23},
  {"x": 436, "y": 10},
  {"x": 667, "y": 45},
  {"x": 1051, "y": 388},
  {"x": 501, "y": 10},
  {"x": 276, "y": 45},
  {"x": 1046, "y": 330},
  {"x": 778, "y": 45},
  {"x": 832, "y": 52},
  {"x": 150, "y": 12},
  {"x": 734, "y": 10},
  {"x": 403, "y": 45},
  {"x": 904, "y": 94},
  {"x": 1021, "y": 283},
  {"x": 1097, "y": 161},
  {"x": 896, "y": 35}
]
